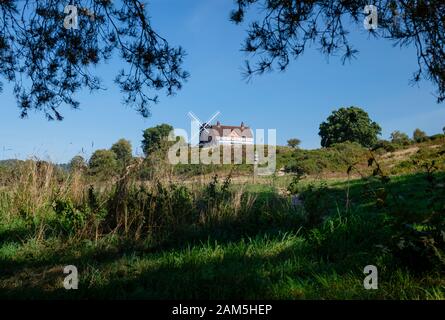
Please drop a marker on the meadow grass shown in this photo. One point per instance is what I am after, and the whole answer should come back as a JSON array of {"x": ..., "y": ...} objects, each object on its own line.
[
  {"x": 280, "y": 267},
  {"x": 265, "y": 260},
  {"x": 234, "y": 242}
]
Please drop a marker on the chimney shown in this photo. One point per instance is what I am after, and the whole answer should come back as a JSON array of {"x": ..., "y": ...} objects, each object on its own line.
[
  {"x": 218, "y": 124},
  {"x": 242, "y": 125}
]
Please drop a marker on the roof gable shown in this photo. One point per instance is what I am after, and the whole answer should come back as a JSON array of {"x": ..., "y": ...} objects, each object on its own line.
[{"x": 230, "y": 131}]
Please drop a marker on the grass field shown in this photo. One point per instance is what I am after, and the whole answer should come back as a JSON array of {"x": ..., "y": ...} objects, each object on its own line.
[{"x": 247, "y": 242}]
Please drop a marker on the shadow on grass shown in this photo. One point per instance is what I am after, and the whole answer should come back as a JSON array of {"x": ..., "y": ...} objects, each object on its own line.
[
  {"x": 78, "y": 253},
  {"x": 238, "y": 273},
  {"x": 169, "y": 272}
]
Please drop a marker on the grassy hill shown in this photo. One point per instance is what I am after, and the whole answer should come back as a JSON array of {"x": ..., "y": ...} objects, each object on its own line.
[{"x": 333, "y": 162}]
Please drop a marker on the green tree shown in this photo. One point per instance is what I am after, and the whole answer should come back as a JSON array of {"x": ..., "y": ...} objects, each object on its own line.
[
  {"x": 294, "y": 143},
  {"x": 103, "y": 163},
  {"x": 77, "y": 163},
  {"x": 349, "y": 124},
  {"x": 123, "y": 151},
  {"x": 155, "y": 138},
  {"x": 419, "y": 135},
  {"x": 400, "y": 138}
]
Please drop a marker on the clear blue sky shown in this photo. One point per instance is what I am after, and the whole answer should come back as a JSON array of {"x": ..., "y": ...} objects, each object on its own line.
[{"x": 294, "y": 102}]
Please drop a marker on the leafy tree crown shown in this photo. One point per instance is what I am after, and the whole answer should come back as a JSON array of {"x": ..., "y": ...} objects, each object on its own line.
[
  {"x": 349, "y": 124},
  {"x": 123, "y": 151},
  {"x": 154, "y": 138}
]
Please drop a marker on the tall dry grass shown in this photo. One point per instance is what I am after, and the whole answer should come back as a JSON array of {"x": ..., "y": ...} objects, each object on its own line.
[
  {"x": 82, "y": 206},
  {"x": 32, "y": 185}
]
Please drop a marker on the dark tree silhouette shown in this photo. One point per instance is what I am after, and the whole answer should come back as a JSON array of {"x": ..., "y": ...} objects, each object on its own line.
[
  {"x": 48, "y": 63},
  {"x": 287, "y": 27}
]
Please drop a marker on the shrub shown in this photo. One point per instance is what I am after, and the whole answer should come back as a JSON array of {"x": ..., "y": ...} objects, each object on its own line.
[
  {"x": 333, "y": 159},
  {"x": 295, "y": 168},
  {"x": 384, "y": 145},
  {"x": 348, "y": 152},
  {"x": 182, "y": 204},
  {"x": 95, "y": 207},
  {"x": 214, "y": 194},
  {"x": 400, "y": 138},
  {"x": 437, "y": 136},
  {"x": 417, "y": 238},
  {"x": 69, "y": 218},
  {"x": 419, "y": 136},
  {"x": 316, "y": 204},
  {"x": 294, "y": 186}
]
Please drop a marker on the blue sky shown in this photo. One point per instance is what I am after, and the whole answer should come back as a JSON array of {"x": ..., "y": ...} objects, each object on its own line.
[{"x": 294, "y": 102}]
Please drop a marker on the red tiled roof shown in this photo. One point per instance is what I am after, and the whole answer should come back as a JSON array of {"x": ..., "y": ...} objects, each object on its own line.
[{"x": 243, "y": 131}]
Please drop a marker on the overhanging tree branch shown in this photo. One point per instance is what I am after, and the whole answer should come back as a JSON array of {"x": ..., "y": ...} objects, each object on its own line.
[
  {"x": 48, "y": 64},
  {"x": 288, "y": 26}
]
